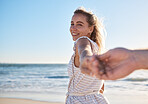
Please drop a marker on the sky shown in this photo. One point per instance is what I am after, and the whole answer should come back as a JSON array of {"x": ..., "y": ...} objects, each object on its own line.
[{"x": 37, "y": 31}]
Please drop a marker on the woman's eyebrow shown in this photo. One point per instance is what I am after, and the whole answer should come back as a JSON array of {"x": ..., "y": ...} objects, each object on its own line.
[{"x": 80, "y": 22}]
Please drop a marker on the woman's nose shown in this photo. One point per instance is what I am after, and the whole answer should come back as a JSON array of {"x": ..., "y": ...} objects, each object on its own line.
[{"x": 73, "y": 27}]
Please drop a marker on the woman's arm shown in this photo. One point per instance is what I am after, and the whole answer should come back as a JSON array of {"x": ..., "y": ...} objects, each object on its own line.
[
  {"x": 83, "y": 47},
  {"x": 83, "y": 52},
  {"x": 141, "y": 57},
  {"x": 123, "y": 62},
  {"x": 120, "y": 62}
]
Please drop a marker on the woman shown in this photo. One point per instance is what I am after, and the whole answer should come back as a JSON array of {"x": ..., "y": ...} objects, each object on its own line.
[{"x": 86, "y": 32}]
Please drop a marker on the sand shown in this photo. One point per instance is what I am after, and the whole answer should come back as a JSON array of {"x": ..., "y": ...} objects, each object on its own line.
[
  {"x": 127, "y": 99},
  {"x": 22, "y": 101},
  {"x": 113, "y": 99}
]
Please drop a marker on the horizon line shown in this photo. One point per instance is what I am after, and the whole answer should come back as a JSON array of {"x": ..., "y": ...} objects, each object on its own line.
[{"x": 28, "y": 63}]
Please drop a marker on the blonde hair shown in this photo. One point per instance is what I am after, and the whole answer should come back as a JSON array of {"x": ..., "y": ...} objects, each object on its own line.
[{"x": 98, "y": 32}]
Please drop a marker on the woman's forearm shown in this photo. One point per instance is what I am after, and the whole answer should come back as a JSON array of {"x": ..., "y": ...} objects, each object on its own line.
[
  {"x": 85, "y": 53},
  {"x": 141, "y": 57}
]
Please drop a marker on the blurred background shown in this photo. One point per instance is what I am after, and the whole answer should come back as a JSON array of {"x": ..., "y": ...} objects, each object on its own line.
[{"x": 37, "y": 31}]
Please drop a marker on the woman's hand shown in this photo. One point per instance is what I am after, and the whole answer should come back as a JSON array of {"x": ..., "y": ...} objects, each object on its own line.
[
  {"x": 92, "y": 66},
  {"x": 116, "y": 63}
]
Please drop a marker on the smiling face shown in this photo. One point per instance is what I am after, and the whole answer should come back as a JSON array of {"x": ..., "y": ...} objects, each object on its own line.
[{"x": 80, "y": 27}]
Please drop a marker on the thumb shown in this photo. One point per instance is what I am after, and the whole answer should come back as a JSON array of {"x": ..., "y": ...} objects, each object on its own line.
[{"x": 104, "y": 56}]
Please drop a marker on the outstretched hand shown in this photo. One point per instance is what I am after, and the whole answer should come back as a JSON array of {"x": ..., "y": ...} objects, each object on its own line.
[
  {"x": 93, "y": 66},
  {"x": 120, "y": 63},
  {"x": 116, "y": 63}
]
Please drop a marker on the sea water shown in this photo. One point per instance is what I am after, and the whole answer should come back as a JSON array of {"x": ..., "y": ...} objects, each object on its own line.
[{"x": 48, "y": 82}]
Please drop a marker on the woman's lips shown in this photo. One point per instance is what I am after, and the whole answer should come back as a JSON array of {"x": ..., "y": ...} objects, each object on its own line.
[{"x": 75, "y": 34}]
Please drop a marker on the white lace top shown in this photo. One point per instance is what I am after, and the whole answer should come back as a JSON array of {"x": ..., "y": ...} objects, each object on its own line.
[{"x": 82, "y": 88}]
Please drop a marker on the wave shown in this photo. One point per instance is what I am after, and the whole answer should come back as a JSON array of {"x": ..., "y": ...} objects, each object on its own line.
[
  {"x": 57, "y": 77},
  {"x": 33, "y": 65},
  {"x": 136, "y": 79},
  {"x": 3, "y": 73}
]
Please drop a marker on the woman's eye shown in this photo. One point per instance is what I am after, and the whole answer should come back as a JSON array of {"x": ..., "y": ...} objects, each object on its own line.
[
  {"x": 79, "y": 24},
  {"x": 72, "y": 24}
]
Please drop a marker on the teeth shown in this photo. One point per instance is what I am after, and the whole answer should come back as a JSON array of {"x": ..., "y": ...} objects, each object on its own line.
[{"x": 74, "y": 34}]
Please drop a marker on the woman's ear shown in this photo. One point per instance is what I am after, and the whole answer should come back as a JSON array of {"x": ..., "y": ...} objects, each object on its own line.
[{"x": 91, "y": 29}]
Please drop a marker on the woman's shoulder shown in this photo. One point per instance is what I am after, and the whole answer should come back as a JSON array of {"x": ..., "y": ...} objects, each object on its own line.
[{"x": 85, "y": 40}]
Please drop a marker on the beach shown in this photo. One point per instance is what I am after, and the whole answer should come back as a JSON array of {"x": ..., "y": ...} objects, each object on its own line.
[
  {"x": 127, "y": 98},
  {"x": 117, "y": 97},
  {"x": 47, "y": 84},
  {"x": 113, "y": 99},
  {"x": 23, "y": 101}
]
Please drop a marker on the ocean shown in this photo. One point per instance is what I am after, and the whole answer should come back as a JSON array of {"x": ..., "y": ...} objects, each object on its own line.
[{"x": 48, "y": 82}]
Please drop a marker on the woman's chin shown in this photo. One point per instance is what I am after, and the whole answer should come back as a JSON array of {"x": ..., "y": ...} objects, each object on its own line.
[{"x": 74, "y": 38}]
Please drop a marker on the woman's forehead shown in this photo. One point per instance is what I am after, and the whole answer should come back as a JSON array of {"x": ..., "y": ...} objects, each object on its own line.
[{"x": 79, "y": 17}]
